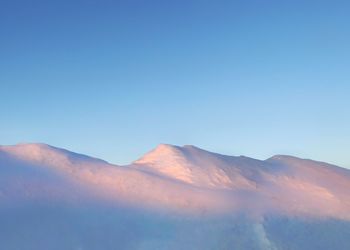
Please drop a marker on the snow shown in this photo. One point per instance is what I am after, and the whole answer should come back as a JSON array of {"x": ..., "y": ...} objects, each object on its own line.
[{"x": 171, "y": 198}]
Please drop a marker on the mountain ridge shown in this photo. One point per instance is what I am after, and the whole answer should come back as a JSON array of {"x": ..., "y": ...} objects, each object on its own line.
[
  {"x": 171, "y": 198},
  {"x": 175, "y": 168},
  {"x": 40, "y": 145}
]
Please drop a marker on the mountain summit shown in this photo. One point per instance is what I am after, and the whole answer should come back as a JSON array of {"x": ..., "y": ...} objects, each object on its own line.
[{"x": 199, "y": 167}]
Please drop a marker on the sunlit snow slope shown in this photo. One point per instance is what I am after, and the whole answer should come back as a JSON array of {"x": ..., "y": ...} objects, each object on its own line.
[{"x": 171, "y": 198}]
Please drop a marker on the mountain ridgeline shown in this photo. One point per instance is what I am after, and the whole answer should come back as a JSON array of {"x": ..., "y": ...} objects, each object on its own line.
[{"x": 171, "y": 198}]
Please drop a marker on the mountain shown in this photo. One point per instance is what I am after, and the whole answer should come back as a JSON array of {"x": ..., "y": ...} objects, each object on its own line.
[{"x": 171, "y": 198}]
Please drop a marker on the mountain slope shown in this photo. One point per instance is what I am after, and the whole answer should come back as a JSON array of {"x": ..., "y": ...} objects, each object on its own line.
[
  {"x": 198, "y": 167},
  {"x": 289, "y": 184},
  {"x": 97, "y": 179},
  {"x": 171, "y": 198}
]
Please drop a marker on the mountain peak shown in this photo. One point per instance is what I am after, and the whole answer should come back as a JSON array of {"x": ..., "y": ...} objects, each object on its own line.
[
  {"x": 27, "y": 146},
  {"x": 165, "y": 152},
  {"x": 162, "y": 151},
  {"x": 191, "y": 146},
  {"x": 43, "y": 153},
  {"x": 282, "y": 157},
  {"x": 32, "y": 150},
  {"x": 166, "y": 147},
  {"x": 196, "y": 166}
]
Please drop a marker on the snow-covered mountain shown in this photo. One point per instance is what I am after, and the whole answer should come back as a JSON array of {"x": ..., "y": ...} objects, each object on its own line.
[{"x": 171, "y": 198}]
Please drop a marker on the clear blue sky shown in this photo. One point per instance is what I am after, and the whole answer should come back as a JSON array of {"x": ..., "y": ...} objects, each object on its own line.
[{"x": 113, "y": 79}]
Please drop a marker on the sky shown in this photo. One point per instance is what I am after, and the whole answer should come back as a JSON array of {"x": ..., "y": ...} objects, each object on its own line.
[{"x": 113, "y": 79}]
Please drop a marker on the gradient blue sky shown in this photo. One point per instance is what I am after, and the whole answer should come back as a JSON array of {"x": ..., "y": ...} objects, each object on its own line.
[{"x": 113, "y": 79}]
